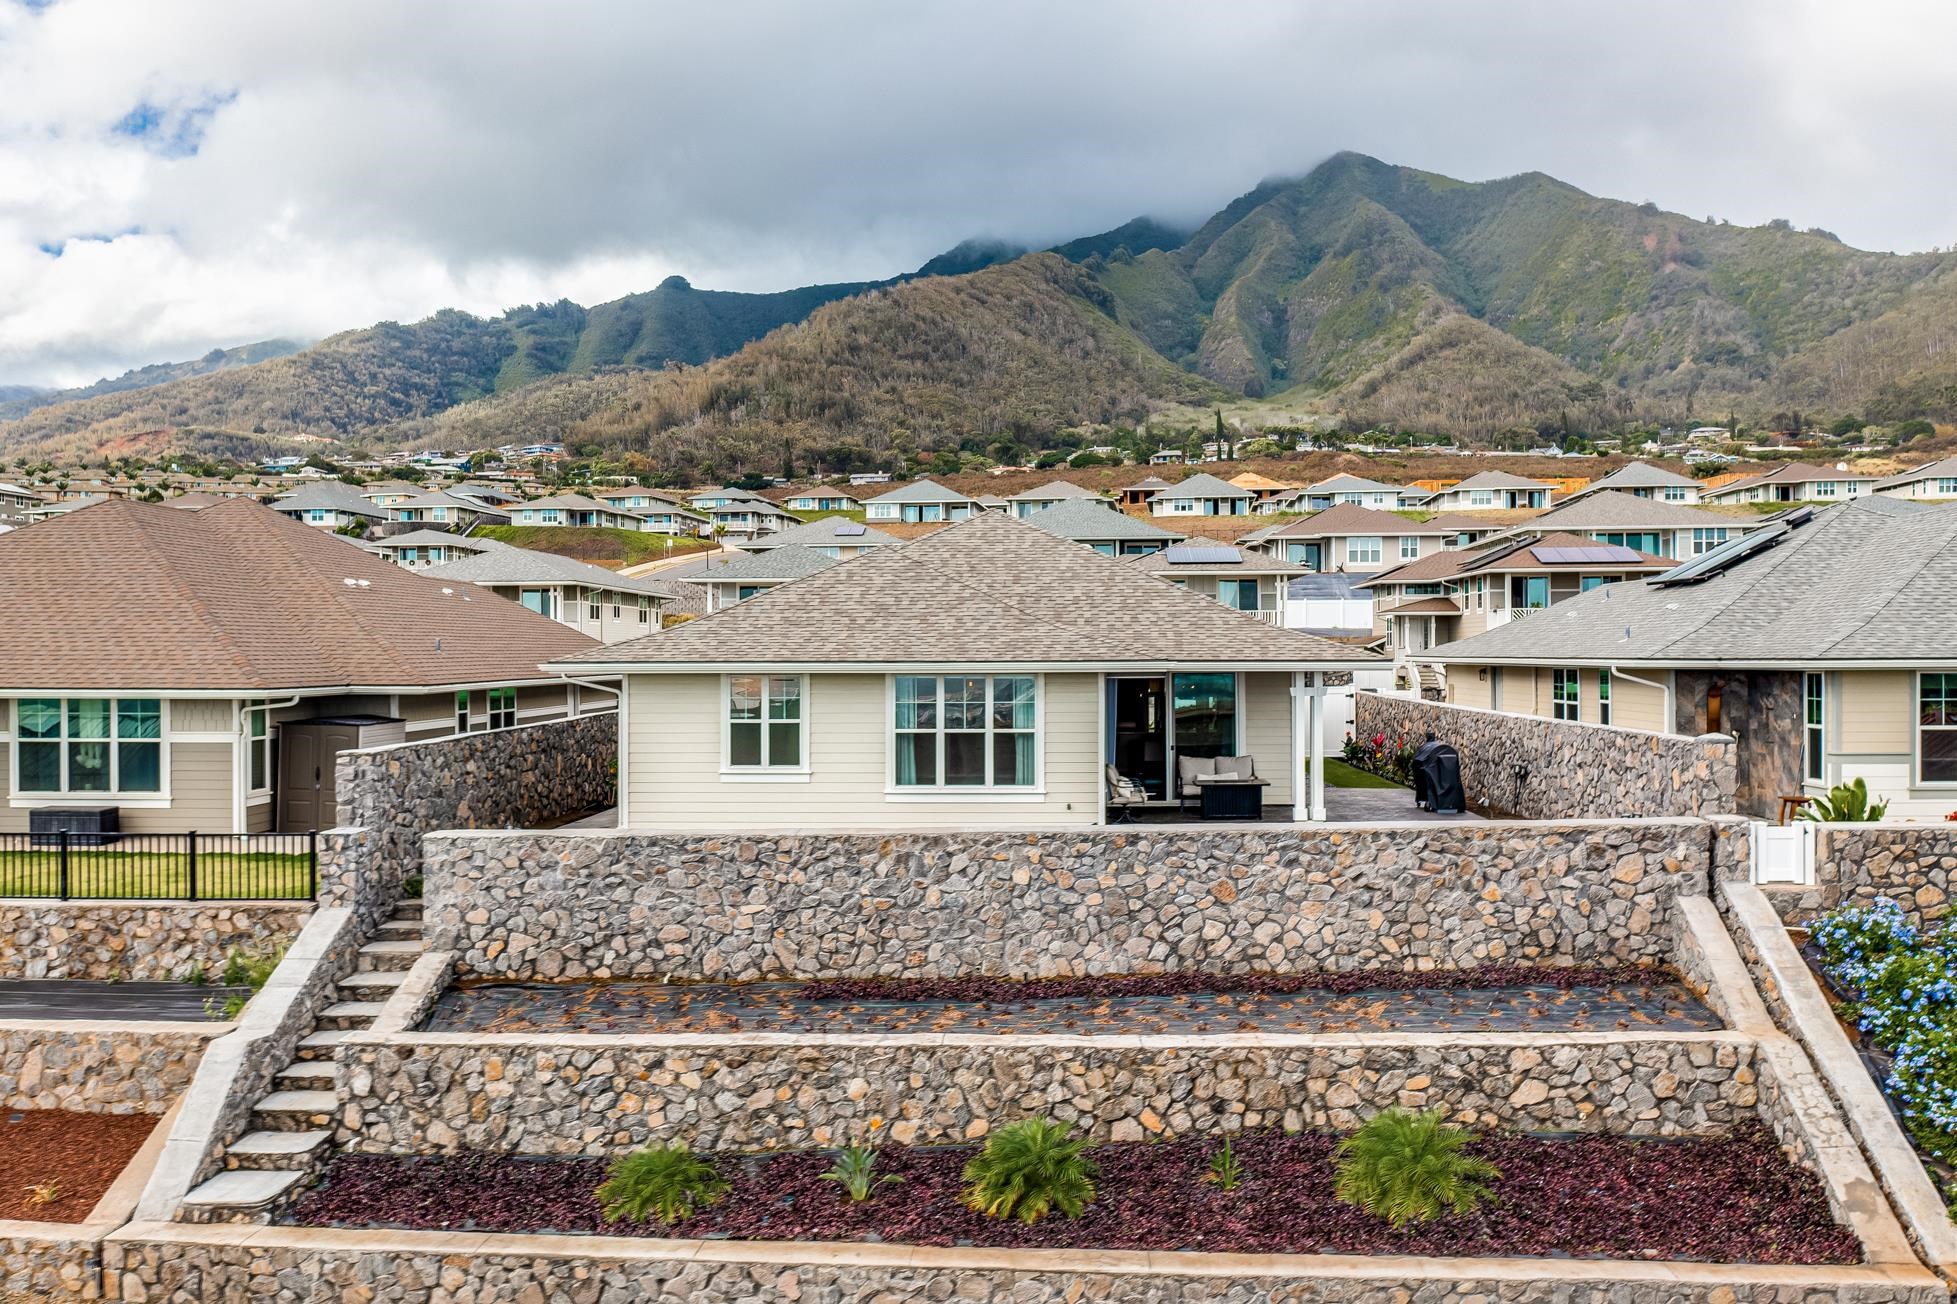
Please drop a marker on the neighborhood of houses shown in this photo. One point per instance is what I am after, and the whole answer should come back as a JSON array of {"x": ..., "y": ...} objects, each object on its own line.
[{"x": 461, "y": 917}]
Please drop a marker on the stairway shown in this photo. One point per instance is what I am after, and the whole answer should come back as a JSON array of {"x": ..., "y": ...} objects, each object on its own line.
[{"x": 292, "y": 1127}]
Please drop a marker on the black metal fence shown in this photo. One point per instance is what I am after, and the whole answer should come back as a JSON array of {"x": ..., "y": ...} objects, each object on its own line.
[{"x": 82, "y": 866}]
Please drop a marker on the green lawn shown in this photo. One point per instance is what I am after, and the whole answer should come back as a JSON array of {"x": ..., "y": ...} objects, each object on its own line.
[
  {"x": 1338, "y": 774},
  {"x": 103, "y": 872}
]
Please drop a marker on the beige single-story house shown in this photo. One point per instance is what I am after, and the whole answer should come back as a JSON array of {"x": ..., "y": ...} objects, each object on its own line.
[
  {"x": 1650, "y": 525},
  {"x": 199, "y": 671},
  {"x": 1936, "y": 480},
  {"x": 1826, "y": 643},
  {"x": 1796, "y": 482},
  {"x": 987, "y": 675}
]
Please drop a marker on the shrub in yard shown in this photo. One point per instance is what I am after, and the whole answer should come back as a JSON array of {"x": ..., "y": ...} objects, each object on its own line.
[
  {"x": 1225, "y": 1171},
  {"x": 1407, "y": 1167},
  {"x": 250, "y": 969},
  {"x": 664, "y": 1182},
  {"x": 1028, "y": 1169},
  {"x": 1846, "y": 803},
  {"x": 855, "y": 1171}
]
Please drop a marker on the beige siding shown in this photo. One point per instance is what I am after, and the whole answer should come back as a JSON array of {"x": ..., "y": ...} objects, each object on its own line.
[
  {"x": 1266, "y": 732},
  {"x": 200, "y": 792},
  {"x": 1637, "y": 706},
  {"x": 201, "y": 716},
  {"x": 1875, "y": 715},
  {"x": 424, "y": 709},
  {"x": 674, "y": 748},
  {"x": 1467, "y": 687},
  {"x": 541, "y": 702}
]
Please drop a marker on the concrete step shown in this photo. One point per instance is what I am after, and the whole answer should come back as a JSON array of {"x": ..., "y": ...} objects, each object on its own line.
[
  {"x": 239, "y": 1195},
  {"x": 277, "y": 1151},
  {"x": 306, "y": 1075},
  {"x": 370, "y": 985},
  {"x": 398, "y": 929},
  {"x": 390, "y": 956},
  {"x": 408, "y": 908},
  {"x": 318, "y": 1046},
  {"x": 295, "y": 1111},
  {"x": 349, "y": 1016}
]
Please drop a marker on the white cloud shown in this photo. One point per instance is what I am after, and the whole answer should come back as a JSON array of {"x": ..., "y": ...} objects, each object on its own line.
[{"x": 357, "y": 161}]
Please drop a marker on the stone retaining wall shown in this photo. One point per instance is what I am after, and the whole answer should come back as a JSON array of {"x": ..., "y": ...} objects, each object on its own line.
[
  {"x": 137, "y": 941},
  {"x": 532, "y": 777},
  {"x": 99, "y": 1068},
  {"x": 284, "y": 1265},
  {"x": 446, "y": 1092},
  {"x": 1283, "y": 898},
  {"x": 1914, "y": 865},
  {"x": 1568, "y": 770}
]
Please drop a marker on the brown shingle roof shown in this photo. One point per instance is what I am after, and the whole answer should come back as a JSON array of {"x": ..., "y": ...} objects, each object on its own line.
[
  {"x": 987, "y": 591},
  {"x": 129, "y": 595}
]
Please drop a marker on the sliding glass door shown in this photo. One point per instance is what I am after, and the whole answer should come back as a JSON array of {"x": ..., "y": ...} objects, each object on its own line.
[{"x": 1206, "y": 715}]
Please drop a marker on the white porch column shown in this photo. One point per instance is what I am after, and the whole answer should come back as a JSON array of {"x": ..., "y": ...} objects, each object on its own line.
[
  {"x": 1300, "y": 807},
  {"x": 1317, "y": 745}
]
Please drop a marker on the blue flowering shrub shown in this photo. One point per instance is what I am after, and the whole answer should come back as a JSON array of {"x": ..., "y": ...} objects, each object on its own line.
[{"x": 1902, "y": 982}]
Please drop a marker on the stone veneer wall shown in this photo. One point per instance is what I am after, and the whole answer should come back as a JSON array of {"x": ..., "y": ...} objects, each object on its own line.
[
  {"x": 1914, "y": 865},
  {"x": 101, "y": 1068},
  {"x": 1573, "y": 771},
  {"x": 569, "y": 1095},
  {"x": 531, "y": 777},
  {"x": 1763, "y": 711},
  {"x": 137, "y": 941},
  {"x": 1142, "y": 900}
]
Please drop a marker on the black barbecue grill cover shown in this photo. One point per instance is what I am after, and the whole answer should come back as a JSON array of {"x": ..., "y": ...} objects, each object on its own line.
[{"x": 1437, "y": 778}]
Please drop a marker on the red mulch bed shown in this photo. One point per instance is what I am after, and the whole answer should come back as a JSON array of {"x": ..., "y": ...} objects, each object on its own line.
[
  {"x": 1732, "y": 1199},
  {"x": 83, "y": 1153},
  {"x": 979, "y": 988}
]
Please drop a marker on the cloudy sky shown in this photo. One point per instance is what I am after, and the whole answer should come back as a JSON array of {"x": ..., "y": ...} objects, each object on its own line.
[{"x": 179, "y": 176}]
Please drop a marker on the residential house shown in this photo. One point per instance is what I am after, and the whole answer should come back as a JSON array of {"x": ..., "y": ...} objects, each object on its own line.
[
  {"x": 658, "y": 513},
  {"x": 1457, "y": 593},
  {"x": 922, "y": 501},
  {"x": 1931, "y": 480},
  {"x": 983, "y": 676},
  {"x": 745, "y": 576},
  {"x": 575, "y": 511},
  {"x": 1796, "y": 482},
  {"x": 833, "y": 536},
  {"x": 1345, "y": 489},
  {"x": 1241, "y": 580},
  {"x": 1138, "y": 493},
  {"x": 738, "y": 514},
  {"x": 386, "y": 493},
  {"x": 823, "y": 500},
  {"x": 1349, "y": 538},
  {"x": 1025, "y": 504},
  {"x": 200, "y": 670},
  {"x": 1463, "y": 530},
  {"x": 1649, "y": 525},
  {"x": 63, "y": 507},
  {"x": 596, "y": 602},
  {"x": 1166, "y": 457},
  {"x": 421, "y": 549},
  {"x": 1643, "y": 480},
  {"x": 1109, "y": 532},
  {"x": 1490, "y": 490},
  {"x": 447, "y": 510},
  {"x": 1262, "y": 487},
  {"x": 1201, "y": 494},
  {"x": 1826, "y": 643},
  {"x": 329, "y": 505},
  {"x": 16, "y": 501}
]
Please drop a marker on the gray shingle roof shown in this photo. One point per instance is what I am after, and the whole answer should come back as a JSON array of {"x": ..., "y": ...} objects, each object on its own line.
[
  {"x": 528, "y": 566},
  {"x": 779, "y": 564},
  {"x": 1086, "y": 522},
  {"x": 1054, "y": 492},
  {"x": 439, "y": 539},
  {"x": 331, "y": 495},
  {"x": 1347, "y": 483},
  {"x": 1172, "y": 561},
  {"x": 824, "y": 533},
  {"x": 1869, "y": 580},
  {"x": 570, "y": 502},
  {"x": 1497, "y": 480},
  {"x": 1202, "y": 485},
  {"x": 923, "y": 491},
  {"x": 987, "y": 591},
  {"x": 1351, "y": 518},
  {"x": 1613, "y": 510},
  {"x": 1638, "y": 475},
  {"x": 1792, "y": 473},
  {"x": 1928, "y": 471}
]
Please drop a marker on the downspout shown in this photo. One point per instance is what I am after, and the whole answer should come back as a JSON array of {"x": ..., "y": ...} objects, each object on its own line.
[{"x": 1670, "y": 720}]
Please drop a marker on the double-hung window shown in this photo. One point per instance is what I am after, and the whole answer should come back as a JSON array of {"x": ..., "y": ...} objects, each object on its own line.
[
  {"x": 462, "y": 712},
  {"x": 1814, "y": 731},
  {"x": 764, "y": 722},
  {"x": 593, "y": 606},
  {"x": 1362, "y": 550},
  {"x": 502, "y": 708},
  {"x": 89, "y": 745},
  {"x": 1674, "y": 493},
  {"x": 1566, "y": 694},
  {"x": 258, "y": 739},
  {"x": 1705, "y": 540},
  {"x": 964, "y": 731},
  {"x": 645, "y": 610},
  {"x": 1936, "y": 745},
  {"x": 1603, "y": 697},
  {"x": 1409, "y": 547}
]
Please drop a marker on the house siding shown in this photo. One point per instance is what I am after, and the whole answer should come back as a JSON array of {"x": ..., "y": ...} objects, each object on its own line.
[
  {"x": 1266, "y": 732},
  {"x": 674, "y": 747}
]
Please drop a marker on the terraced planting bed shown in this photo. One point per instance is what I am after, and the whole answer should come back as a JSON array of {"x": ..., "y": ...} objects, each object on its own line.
[
  {"x": 1729, "y": 1199},
  {"x": 55, "y": 1164}
]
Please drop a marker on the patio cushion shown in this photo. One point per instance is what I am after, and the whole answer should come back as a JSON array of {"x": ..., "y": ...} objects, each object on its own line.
[
  {"x": 1191, "y": 768},
  {"x": 1236, "y": 767},
  {"x": 1230, "y": 780}
]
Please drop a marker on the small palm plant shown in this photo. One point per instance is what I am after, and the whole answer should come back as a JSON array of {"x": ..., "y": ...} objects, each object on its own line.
[
  {"x": 1846, "y": 803},
  {"x": 665, "y": 1182},
  {"x": 1225, "y": 1173},
  {"x": 855, "y": 1172},
  {"x": 1408, "y": 1167},
  {"x": 1028, "y": 1169}
]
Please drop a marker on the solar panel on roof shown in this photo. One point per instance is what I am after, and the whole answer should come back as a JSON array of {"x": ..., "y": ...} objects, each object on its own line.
[
  {"x": 1722, "y": 558},
  {"x": 1201, "y": 556},
  {"x": 849, "y": 528},
  {"x": 1603, "y": 552}
]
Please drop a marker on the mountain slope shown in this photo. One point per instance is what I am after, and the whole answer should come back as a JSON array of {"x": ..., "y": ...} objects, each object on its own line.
[{"x": 19, "y": 400}]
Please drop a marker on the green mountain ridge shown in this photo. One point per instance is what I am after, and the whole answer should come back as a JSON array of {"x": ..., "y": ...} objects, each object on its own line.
[{"x": 18, "y": 400}]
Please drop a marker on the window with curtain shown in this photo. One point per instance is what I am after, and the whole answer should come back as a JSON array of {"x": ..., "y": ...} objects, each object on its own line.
[
  {"x": 89, "y": 745},
  {"x": 764, "y": 722},
  {"x": 1937, "y": 727},
  {"x": 1238, "y": 594},
  {"x": 964, "y": 731}
]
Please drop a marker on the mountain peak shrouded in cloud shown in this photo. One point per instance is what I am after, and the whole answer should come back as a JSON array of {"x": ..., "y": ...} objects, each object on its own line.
[{"x": 289, "y": 171}]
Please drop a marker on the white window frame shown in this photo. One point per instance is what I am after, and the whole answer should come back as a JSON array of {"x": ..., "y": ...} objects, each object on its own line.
[
  {"x": 1675, "y": 493},
  {"x": 146, "y": 799},
  {"x": 645, "y": 609},
  {"x": 594, "y": 607},
  {"x": 1604, "y": 715},
  {"x": 1918, "y": 728},
  {"x": 1409, "y": 547},
  {"x": 1363, "y": 550},
  {"x": 257, "y": 716},
  {"x": 964, "y": 792},
  {"x": 1814, "y": 733},
  {"x": 764, "y": 773},
  {"x": 1561, "y": 707},
  {"x": 1481, "y": 497}
]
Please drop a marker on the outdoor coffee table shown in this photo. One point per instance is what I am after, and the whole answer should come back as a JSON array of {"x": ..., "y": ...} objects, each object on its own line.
[{"x": 1232, "y": 799}]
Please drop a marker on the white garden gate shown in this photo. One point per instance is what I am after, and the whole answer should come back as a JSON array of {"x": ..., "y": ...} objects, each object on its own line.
[{"x": 1783, "y": 853}]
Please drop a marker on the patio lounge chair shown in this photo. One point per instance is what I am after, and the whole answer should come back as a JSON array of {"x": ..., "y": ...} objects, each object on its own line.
[
  {"x": 1227, "y": 787},
  {"x": 1125, "y": 796}
]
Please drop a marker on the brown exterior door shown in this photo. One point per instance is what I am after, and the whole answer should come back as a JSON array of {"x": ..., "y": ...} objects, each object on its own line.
[{"x": 306, "y": 797}]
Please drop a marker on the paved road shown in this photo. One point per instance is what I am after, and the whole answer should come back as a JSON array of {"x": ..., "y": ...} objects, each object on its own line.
[{"x": 79, "y": 999}]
